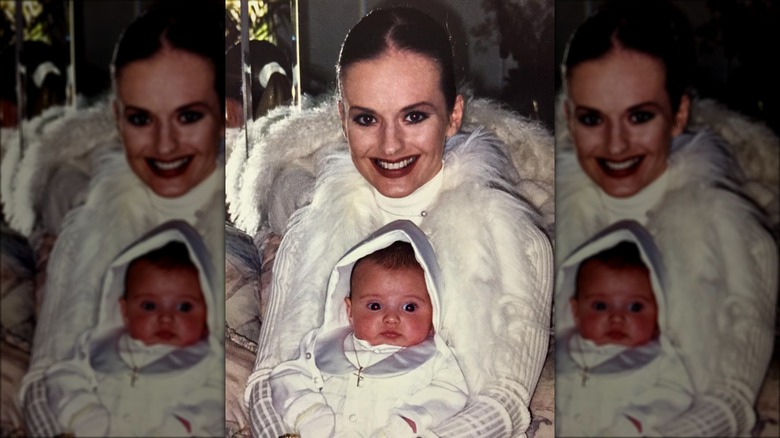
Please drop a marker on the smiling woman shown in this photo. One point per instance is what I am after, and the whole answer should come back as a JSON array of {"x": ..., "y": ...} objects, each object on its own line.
[
  {"x": 168, "y": 82},
  {"x": 401, "y": 119},
  {"x": 626, "y": 152}
]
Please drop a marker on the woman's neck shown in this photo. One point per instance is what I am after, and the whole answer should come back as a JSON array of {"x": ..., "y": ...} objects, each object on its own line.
[
  {"x": 638, "y": 205},
  {"x": 187, "y": 205},
  {"x": 414, "y": 206}
]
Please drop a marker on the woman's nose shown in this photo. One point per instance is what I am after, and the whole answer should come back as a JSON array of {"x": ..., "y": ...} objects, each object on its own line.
[
  {"x": 617, "y": 141},
  {"x": 167, "y": 139},
  {"x": 392, "y": 140}
]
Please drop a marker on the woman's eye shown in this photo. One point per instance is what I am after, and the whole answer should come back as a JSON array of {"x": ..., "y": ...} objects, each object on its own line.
[
  {"x": 185, "y": 307},
  {"x": 599, "y": 306},
  {"x": 139, "y": 119},
  {"x": 364, "y": 120},
  {"x": 589, "y": 119},
  {"x": 190, "y": 116},
  {"x": 641, "y": 116},
  {"x": 410, "y": 307},
  {"x": 374, "y": 307},
  {"x": 148, "y": 306},
  {"x": 635, "y": 307},
  {"x": 416, "y": 117}
]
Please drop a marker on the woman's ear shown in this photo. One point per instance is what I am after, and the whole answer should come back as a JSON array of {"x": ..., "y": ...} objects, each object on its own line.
[
  {"x": 681, "y": 117},
  {"x": 456, "y": 117}
]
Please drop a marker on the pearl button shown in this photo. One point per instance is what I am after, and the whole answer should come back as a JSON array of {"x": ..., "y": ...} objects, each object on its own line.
[
  {"x": 308, "y": 355},
  {"x": 353, "y": 418}
]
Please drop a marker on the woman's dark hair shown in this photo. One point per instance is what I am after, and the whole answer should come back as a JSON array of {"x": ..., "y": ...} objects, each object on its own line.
[
  {"x": 655, "y": 28},
  {"x": 194, "y": 27},
  {"x": 401, "y": 28}
]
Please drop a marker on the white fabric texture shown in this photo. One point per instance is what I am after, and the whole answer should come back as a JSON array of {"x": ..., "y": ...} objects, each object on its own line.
[
  {"x": 722, "y": 269},
  {"x": 598, "y": 387},
  {"x": 426, "y": 391},
  {"x": 119, "y": 209},
  {"x": 496, "y": 269}
]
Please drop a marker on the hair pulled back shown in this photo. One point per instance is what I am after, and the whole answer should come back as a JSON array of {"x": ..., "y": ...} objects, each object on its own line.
[
  {"x": 657, "y": 29},
  {"x": 401, "y": 28},
  {"x": 194, "y": 27}
]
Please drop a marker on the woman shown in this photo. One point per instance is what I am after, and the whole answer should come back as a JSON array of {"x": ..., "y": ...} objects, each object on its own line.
[
  {"x": 167, "y": 73},
  {"x": 398, "y": 107},
  {"x": 627, "y": 76}
]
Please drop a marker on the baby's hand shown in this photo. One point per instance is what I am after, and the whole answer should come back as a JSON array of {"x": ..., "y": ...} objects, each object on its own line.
[
  {"x": 397, "y": 427},
  {"x": 317, "y": 421}
]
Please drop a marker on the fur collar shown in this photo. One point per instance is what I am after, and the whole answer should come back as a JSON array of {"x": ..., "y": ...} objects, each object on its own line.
[{"x": 292, "y": 137}]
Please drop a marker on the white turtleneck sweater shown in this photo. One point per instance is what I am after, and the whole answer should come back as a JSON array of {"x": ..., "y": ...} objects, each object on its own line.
[{"x": 413, "y": 207}]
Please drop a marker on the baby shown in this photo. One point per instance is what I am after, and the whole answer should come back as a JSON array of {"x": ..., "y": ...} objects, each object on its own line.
[
  {"x": 617, "y": 375},
  {"x": 376, "y": 367},
  {"x": 156, "y": 374}
]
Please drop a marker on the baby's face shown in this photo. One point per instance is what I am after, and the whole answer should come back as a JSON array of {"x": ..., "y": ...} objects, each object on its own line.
[
  {"x": 389, "y": 306},
  {"x": 615, "y": 306},
  {"x": 164, "y": 305}
]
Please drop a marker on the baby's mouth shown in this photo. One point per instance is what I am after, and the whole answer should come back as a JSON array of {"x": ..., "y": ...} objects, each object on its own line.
[
  {"x": 395, "y": 169},
  {"x": 169, "y": 169},
  {"x": 620, "y": 169}
]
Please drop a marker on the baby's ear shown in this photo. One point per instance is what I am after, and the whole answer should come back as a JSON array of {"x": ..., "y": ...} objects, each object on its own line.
[
  {"x": 573, "y": 304},
  {"x": 123, "y": 309},
  {"x": 348, "y": 302}
]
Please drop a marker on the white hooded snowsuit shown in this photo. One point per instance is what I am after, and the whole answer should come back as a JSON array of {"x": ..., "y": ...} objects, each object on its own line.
[
  {"x": 598, "y": 387},
  {"x": 175, "y": 391},
  {"x": 422, "y": 382}
]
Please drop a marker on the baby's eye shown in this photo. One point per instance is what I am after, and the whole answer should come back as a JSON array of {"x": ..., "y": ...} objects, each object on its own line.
[
  {"x": 636, "y": 307},
  {"x": 640, "y": 117},
  {"x": 364, "y": 120},
  {"x": 410, "y": 307},
  {"x": 599, "y": 306},
  {"x": 185, "y": 307},
  {"x": 374, "y": 306},
  {"x": 416, "y": 117},
  {"x": 138, "y": 119},
  {"x": 589, "y": 119},
  {"x": 187, "y": 117},
  {"x": 148, "y": 306}
]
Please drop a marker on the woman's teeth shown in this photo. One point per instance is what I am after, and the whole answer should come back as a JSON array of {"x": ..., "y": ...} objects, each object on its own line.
[
  {"x": 395, "y": 166},
  {"x": 621, "y": 165},
  {"x": 170, "y": 165}
]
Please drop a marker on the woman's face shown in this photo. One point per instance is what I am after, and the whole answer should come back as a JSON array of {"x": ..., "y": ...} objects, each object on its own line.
[
  {"x": 170, "y": 120},
  {"x": 621, "y": 120},
  {"x": 396, "y": 120}
]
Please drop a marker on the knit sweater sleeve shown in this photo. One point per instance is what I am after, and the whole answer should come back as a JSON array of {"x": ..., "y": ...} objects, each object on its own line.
[
  {"x": 279, "y": 339},
  {"x": 61, "y": 316},
  {"x": 501, "y": 347},
  {"x": 737, "y": 334}
]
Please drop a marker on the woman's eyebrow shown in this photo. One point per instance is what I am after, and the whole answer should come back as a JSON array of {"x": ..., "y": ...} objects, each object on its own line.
[{"x": 191, "y": 105}]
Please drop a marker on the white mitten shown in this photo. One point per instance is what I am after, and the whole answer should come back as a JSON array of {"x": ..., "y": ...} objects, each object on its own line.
[
  {"x": 318, "y": 421},
  {"x": 396, "y": 427},
  {"x": 92, "y": 420}
]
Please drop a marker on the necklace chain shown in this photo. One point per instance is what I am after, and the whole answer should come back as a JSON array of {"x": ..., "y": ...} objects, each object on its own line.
[
  {"x": 584, "y": 367},
  {"x": 132, "y": 365}
]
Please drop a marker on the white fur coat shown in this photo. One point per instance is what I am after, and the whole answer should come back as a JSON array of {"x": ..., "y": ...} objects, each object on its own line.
[
  {"x": 722, "y": 270},
  {"x": 495, "y": 259},
  {"x": 118, "y": 209}
]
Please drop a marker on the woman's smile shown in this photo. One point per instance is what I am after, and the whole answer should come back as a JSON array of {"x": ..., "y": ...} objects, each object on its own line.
[{"x": 396, "y": 169}]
